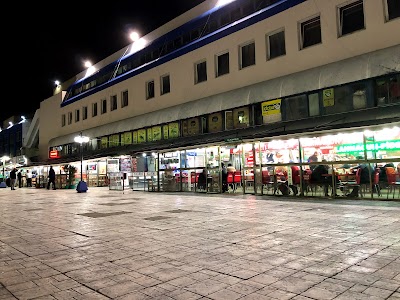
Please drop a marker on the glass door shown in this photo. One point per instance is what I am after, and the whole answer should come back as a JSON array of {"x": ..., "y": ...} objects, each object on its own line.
[{"x": 214, "y": 179}]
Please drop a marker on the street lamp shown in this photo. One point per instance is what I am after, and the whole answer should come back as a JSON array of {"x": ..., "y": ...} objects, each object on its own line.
[
  {"x": 82, "y": 186},
  {"x": 3, "y": 160}
]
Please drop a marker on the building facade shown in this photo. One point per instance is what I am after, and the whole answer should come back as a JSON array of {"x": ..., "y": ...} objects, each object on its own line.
[{"x": 233, "y": 80}]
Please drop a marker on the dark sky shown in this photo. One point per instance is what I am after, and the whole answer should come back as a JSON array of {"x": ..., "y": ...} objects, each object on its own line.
[{"x": 45, "y": 41}]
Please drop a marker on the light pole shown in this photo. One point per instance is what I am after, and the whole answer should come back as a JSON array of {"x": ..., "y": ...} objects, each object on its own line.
[
  {"x": 82, "y": 186},
  {"x": 3, "y": 160}
]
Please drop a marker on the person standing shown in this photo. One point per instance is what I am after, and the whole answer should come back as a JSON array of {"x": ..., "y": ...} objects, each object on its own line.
[
  {"x": 13, "y": 178},
  {"x": 224, "y": 178},
  {"x": 19, "y": 176},
  {"x": 28, "y": 178},
  {"x": 52, "y": 178}
]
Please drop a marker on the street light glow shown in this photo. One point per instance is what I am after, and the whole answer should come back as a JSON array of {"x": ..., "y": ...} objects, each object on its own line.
[
  {"x": 134, "y": 36},
  {"x": 81, "y": 139}
]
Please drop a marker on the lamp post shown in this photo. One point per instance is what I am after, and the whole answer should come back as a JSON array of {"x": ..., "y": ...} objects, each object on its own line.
[
  {"x": 3, "y": 160},
  {"x": 82, "y": 186}
]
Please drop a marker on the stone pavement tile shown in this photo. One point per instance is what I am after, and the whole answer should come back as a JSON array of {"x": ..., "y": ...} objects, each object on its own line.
[
  {"x": 206, "y": 287},
  {"x": 91, "y": 296},
  {"x": 387, "y": 284},
  {"x": 320, "y": 293},
  {"x": 281, "y": 295},
  {"x": 350, "y": 295},
  {"x": 256, "y": 296},
  {"x": 182, "y": 294},
  {"x": 359, "y": 288},
  {"x": 135, "y": 296},
  {"x": 227, "y": 279},
  {"x": 293, "y": 284},
  {"x": 378, "y": 292},
  {"x": 65, "y": 295},
  {"x": 326, "y": 268},
  {"x": 264, "y": 279},
  {"x": 18, "y": 279},
  {"x": 101, "y": 283},
  {"x": 181, "y": 282},
  {"x": 21, "y": 286},
  {"x": 245, "y": 287},
  {"x": 395, "y": 296},
  {"x": 225, "y": 294},
  {"x": 365, "y": 279},
  {"x": 35, "y": 292},
  {"x": 120, "y": 289},
  {"x": 154, "y": 291}
]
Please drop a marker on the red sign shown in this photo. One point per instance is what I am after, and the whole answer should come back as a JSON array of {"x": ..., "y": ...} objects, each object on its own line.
[{"x": 54, "y": 154}]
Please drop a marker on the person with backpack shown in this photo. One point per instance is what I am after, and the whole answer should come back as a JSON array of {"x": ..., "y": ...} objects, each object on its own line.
[{"x": 52, "y": 178}]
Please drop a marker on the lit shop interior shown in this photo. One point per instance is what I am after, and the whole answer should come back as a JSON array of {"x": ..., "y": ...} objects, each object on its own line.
[
  {"x": 256, "y": 167},
  {"x": 260, "y": 167}
]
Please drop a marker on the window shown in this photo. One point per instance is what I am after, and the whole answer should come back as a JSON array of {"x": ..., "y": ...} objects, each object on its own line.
[
  {"x": 69, "y": 118},
  {"x": 200, "y": 72},
  {"x": 103, "y": 106},
  {"x": 63, "y": 120},
  {"x": 276, "y": 44},
  {"x": 165, "y": 84},
  {"x": 344, "y": 98},
  {"x": 124, "y": 99},
  {"x": 247, "y": 55},
  {"x": 313, "y": 104},
  {"x": 113, "y": 102},
  {"x": 150, "y": 89},
  {"x": 351, "y": 17},
  {"x": 387, "y": 89},
  {"x": 94, "y": 109},
  {"x": 310, "y": 32},
  {"x": 84, "y": 113},
  {"x": 222, "y": 64},
  {"x": 296, "y": 107},
  {"x": 392, "y": 9},
  {"x": 77, "y": 115}
]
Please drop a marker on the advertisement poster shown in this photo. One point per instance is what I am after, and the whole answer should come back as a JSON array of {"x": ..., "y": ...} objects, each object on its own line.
[
  {"x": 126, "y": 164},
  {"x": 149, "y": 135},
  {"x": 173, "y": 130},
  {"x": 112, "y": 165},
  {"x": 215, "y": 122},
  {"x": 141, "y": 136},
  {"x": 272, "y": 107},
  {"x": 328, "y": 96},
  {"x": 165, "y": 132},
  {"x": 135, "y": 137},
  {"x": 126, "y": 138},
  {"x": 156, "y": 133}
]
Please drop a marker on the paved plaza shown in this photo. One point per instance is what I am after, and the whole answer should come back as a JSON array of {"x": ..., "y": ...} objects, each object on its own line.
[{"x": 142, "y": 245}]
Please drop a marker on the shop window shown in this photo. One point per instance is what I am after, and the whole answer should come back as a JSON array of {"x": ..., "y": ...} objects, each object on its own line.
[
  {"x": 150, "y": 89},
  {"x": 84, "y": 113},
  {"x": 63, "y": 120},
  {"x": 387, "y": 90},
  {"x": 247, "y": 55},
  {"x": 94, "y": 109},
  {"x": 126, "y": 138},
  {"x": 215, "y": 122},
  {"x": 313, "y": 105},
  {"x": 310, "y": 32},
  {"x": 69, "y": 118},
  {"x": 124, "y": 99},
  {"x": 344, "y": 98},
  {"x": 113, "y": 102},
  {"x": 103, "y": 106},
  {"x": 392, "y": 9},
  {"x": 351, "y": 17},
  {"x": 200, "y": 72},
  {"x": 222, "y": 64},
  {"x": 296, "y": 107},
  {"x": 276, "y": 44},
  {"x": 229, "y": 120},
  {"x": 165, "y": 84},
  {"x": 241, "y": 117}
]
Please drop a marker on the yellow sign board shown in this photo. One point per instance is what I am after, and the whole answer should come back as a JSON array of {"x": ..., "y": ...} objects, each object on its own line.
[
  {"x": 156, "y": 133},
  {"x": 328, "y": 96},
  {"x": 271, "y": 107}
]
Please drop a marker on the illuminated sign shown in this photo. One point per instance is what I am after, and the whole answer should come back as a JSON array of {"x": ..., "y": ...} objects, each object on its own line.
[
  {"x": 387, "y": 145},
  {"x": 54, "y": 154},
  {"x": 271, "y": 107}
]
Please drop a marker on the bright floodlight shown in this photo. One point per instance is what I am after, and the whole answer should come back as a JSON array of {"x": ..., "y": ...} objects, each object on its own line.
[
  {"x": 134, "y": 36},
  {"x": 57, "y": 83},
  {"x": 81, "y": 139},
  {"x": 88, "y": 64},
  {"x": 223, "y": 2},
  {"x": 5, "y": 158}
]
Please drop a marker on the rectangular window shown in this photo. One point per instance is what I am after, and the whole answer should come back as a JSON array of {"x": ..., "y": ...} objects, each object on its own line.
[
  {"x": 247, "y": 55},
  {"x": 63, "y": 120},
  {"x": 276, "y": 44},
  {"x": 84, "y": 113},
  {"x": 150, "y": 89},
  {"x": 124, "y": 99},
  {"x": 296, "y": 107},
  {"x": 392, "y": 9},
  {"x": 200, "y": 72},
  {"x": 94, "y": 109},
  {"x": 69, "y": 118},
  {"x": 351, "y": 17},
  {"x": 313, "y": 104},
  {"x": 387, "y": 90},
  {"x": 77, "y": 115},
  {"x": 103, "y": 106},
  {"x": 310, "y": 32},
  {"x": 113, "y": 102},
  {"x": 222, "y": 64},
  {"x": 165, "y": 84}
]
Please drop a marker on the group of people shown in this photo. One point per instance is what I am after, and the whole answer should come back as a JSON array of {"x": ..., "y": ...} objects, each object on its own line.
[
  {"x": 203, "y": 177},
  {"x": 16, "y": 174}
]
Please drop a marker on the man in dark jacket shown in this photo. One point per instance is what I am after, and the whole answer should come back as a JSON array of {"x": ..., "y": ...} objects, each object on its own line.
[
  {"x": 318, "y": 176},
  {"x": 19, "y": 176},
  {"x": 52, "y": 178},
  {"x": 13, "y": 177},
  {"x": 366, "y": 174}
]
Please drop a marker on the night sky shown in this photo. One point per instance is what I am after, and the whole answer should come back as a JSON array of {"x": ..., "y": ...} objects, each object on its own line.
[{"x": 44, "y": 42}]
